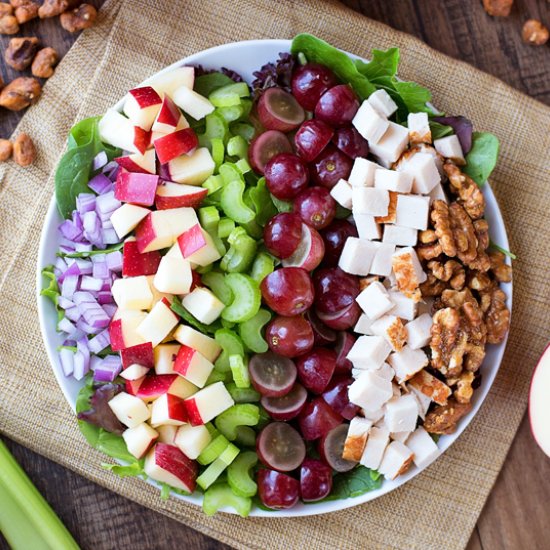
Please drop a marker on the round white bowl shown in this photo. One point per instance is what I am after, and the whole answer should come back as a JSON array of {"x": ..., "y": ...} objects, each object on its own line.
[{"x": 245, "y": 58}]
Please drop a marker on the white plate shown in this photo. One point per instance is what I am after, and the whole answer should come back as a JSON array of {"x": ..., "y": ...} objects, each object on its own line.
[{"x": 245, "y": 58}]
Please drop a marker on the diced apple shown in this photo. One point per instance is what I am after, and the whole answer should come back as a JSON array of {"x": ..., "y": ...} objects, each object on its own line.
[
  {"x": 136, "y": 162},
  {"x": 153, "y": 386},
  {"x": 117, "y": 130},
  {"x": 192, "y": 103},
  {"x": 168, "y": 409},
  {"x": 139, "y": 439},
  {"x": 167, "y": 434},
  {"x": 136, "y": 188},
  {"x": 126, "y": 218},
  {"x": 135, "y": 264},
  {"x": 157, "y": 296},
  {"x": 158, "y": 323},
  {"x": 132, "y": 293},
  {"x": 142, "y": 106},
  {"x": 193, "y": 365},
  {"x": 175, "y": 144},
  {"x": 142, "y": 354},
  {"x": 132, "y": 386},
  {"x": 203, "y": 305},
  {"x": 208, "y": 403},
  {"x": 197, "y": 246},
  {"x": 197, "y": 340},
  {"x": 129, "y": 409},
  {"x": 122, "y": 330},
  {"x": 165, "y": 356},
  {"x": 168, "y": 82},
  {"x": 167, "y": 464},
  {"x": 192, "y": 440},
  {"x": 169, "y": 118},
  {"x": 192, "y": 169},
  {"x": 134, "y": 372},
  {"x": 175, "y": 195},
  {"x": 173, "y": 275}
]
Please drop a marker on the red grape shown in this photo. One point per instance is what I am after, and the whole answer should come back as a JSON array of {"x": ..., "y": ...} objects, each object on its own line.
[
  {"x": 315, "y": 206},
  {"x": 331, "y": 448},
  {"x": 334, "y": 290},
  {"x": 277, "y": 490},
  {"x": 282, "y": 234},
  {"x": 288, "y": 406},
  {"x": 344, "y": 342},
  {"x": 279, "y": 110},
  {"x": 342, "y": 319},
  {"x": 337, "y": 106},
  {"x": 265, "y": 146},
  {"x": 330, "y": 166},
  {"x": 317, "y": 418},
  {"x": 323, "y": 335},
  {"x": 281, "y": 447},
  {"x": 334, "y": 237},
  {"x": 310, "y": 82},
  {"x": 310, "y": 251},
  {"x": 311, "y": 138},
  {"x": 272, "y": 374},
  {"x": 289, "y": 336},
  {"x": 315, "y": 480},
  {"x": 336, "y": 395},
  {"x": 285, "y": 176},
  {"x": 288, "y": 291},
  {"x": 351, "y": 142},
  {"x": 315, "y": 369}
]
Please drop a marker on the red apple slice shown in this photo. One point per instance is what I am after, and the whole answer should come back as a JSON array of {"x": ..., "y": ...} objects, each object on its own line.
[
  {"x": 168, "y": 82},
  {"x": 134, "y": 263},
  {"x": 175, "y": 195},
  {"x": 122, "y": 329},
  {"x": 539, "y": 402},
  {"x": 175, "y": 144},
  {"x": 192, "y": 169},
  {"x": 142, "y": 354},
  {"x": 142, "y": 106},
  {"x": 168, "y": 409},
  {"x": 193, "y": 366},
  {"x": 167, "y": 464},
  {"x": 136, "y": 162},
  {"x": 155, "y": 385},
  {"x": 309, "y": 252},
  {"x": 117, "y": 130},
  {"x": 169, "y": 118},
  {"x": 139, "y": 439},
  {"x": 136, "y": 188},
  {"x": 208, "y": 403}
]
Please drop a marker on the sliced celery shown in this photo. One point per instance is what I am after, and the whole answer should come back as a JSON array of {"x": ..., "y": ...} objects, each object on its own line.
[
  {"x": 251, "y": 331},
  {"x": 221, "y": 496},
  {"x": 243, "y": 395},
  {"x": 237, "y": 147},
  {"x": 239, "y": 474},
  {"x": 239, "y": 368},
  {"x": 231, "y": 344},
  {"x": 233, "y": 204},
  {"x": 282, "y": 206},
  {"x": 232, "y": 113},
  {"x": 241, "y": 252},
  {"x": 229, "y": 172},
  {"x": 263, "y": 265},
  {"x": 204, "y": 269},
  {"x": 228, "y": 324},
  {"x": 218, "y": 151},
  {"x": 229, "y": 95},
  {"x": 212, "y": 430},
  {"x": 215, "y": 469},
  {"x": 246, "y": 298},
  {"x": 264, "y": 420},
  {"x": 216, "y": 127},
  {"x": 215, "y": 281},
  {"x": 243, "y": 166},
  {"x": 246, "y": 436},
  {"x": 246, "y": 105},
  {"x": 213, "y": 184},
  {"x": 209, "y": 216},
  {"x": 242, "y": 129},
  {"x": 217, "y": 376},
  {"x": 243, "y": 414},
  {"x": 213, "y": 450},
  {"x": 229, "y": 454},
  {"x": 225, "y": 227}
]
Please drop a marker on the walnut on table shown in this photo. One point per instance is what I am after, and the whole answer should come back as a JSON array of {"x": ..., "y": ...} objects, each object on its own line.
[
  {"x": 78, "y": 19},
  {"x": 51, "y": 8},
  {"x": 6, "y": 149},
  {"x": 20, "y": 52},
  {"x": 20, "y": 93},
  {"x": 443, "y": 420},
  {"x": 44, "y": 63},
  {"x": 498, "y": 8},
  {"x": 24, "y": 151},
  {"x": 5, "y": 9},
  {"x": 534, "y": 33},
  {"x": 9, "y": 24},
  {"x": 26, "y": 11}
]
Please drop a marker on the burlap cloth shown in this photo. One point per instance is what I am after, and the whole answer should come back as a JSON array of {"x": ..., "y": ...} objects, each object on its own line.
[{"x": 133, "y": 39}]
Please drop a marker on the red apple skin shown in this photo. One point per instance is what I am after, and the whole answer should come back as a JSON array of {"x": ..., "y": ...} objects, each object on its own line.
[
  {"x": 145, "y": 96},
  {"x": 175, "y": 144},
  {"x": 128, "y": 164},
  {"x": 142, "y": 139},
  {"x": 176, "y": 408},
  {"x": 145, "y": 233},
  {"x": 155, "y": 385},
  {"x": 116, "y": 335},
  {"x": 192, "y": 200},
  {"x": 136, "y": 188},
  {"x": 193, "y": 412},
  {"x": 141, "y": 354},
  {"x": 132, "y": 386},
  {"x": 183, "y": 359},
  {"x": 191, "y": 240},
  {"x": 169, "y": 113},
  {"x": 134, "y": 263},
  {"x": 171, "y": 459},
  {"x": 168, "y": 304},
  {"x": 544, "y": 445}
]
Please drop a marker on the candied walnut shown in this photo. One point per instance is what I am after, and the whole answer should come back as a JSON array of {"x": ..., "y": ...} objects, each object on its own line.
[
  {"x": 499, "y": 268},
  {"x": 5, "y": 9},
  {"x": 79, "y": 19},
  {"x": 498, "y": 8},
  {"x": 44, "y": 62},
  {"x": 20, "y": 93},
  {"x": 464, "y": 390},
  {"x": 534, "y": 33},
  {"x": 432, "y": 286},
  {"x": 463, "y": 233},
  {"x": 448, "y": 342},
  {"x": 497, "y": 317},
  {"x": 428, "y": 236},
  {"x": 444, "y": 419},
  {"x": 473, "y": 357},
  {"x": 467, "y": 190},
  {"x": 481, "y": 262},
  {"x": 450, "y": 271},
  {"x": 24, "y": 151},
  {"x": 441, "y": 219},
  {"x": 6, "y": 149},
  {"x": 26, "y": 12},
  {"x": 392, "y": 210},
  {"x": 9, "y": 24},
  {"x": 429, "y": 251},
  {"x": 51, "y": 8},
  {"x": 431, "y": 386},
  {"x": 20, "y": 52},
  {"x": 479, "y": 281},
  {"x": 456, "y": 299}
]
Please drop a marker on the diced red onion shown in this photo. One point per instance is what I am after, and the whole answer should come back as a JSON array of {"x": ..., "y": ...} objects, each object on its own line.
[
  {"x": 70, "y": 231},
  {"x": 107, "y": 224},
  {"x": 60, "y": 264},
  {"x": 73, "y": 314},
  {"x": 110, "y": 166},
  {"x": 99, "y": 342},
  {"x": 92, "y": 227},
  {"x": 66, "y": 326},
  {"x": 85, "y": 202},
  {"x": 101, "y": 271},
  {"x": 64, "y": 303},
  {"x": 109, "y": 236},
  {"x": 101, "y": 184},
  {"x": 66, "y": 246},
  {"x": 81, "y": 366},
  {"x": 85, "y": 266},
  {"x": 110, "y": 309},
  {"x": 100, "y": 160},
  {"x": 83, "y": 247},
  {"x": 91, "y": 283},
  {"x": 94, "y": 315},
  {"x": 114, "y": 261},
  {"x": 108, "y": 369},
  {"x": 69, "y": 285},
  {"x": 66, "y": 357},
  {"x": 86, "y": 328},
  {"x": 104, "y": 297},
  {"x": 83, "y": 297},
  {"x": 107, "y": 203}
]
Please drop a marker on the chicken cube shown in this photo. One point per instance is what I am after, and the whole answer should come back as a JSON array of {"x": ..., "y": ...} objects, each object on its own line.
[
  {"x": 401, "y": 413},
  {"x": 374, "y": 449},
  {"x": 423, "y": 168},
  {"x": 382, "y": 262},
  {"x": 449, "y": 147},
  {"x": 391, "y": 145},
  {"x": 408, "y": 272},
  {"x": 370, "y": 123},
  {"x": 375, "y": 300},
  {"x": 385, "y": 371},
  {"x": 369, "y": 352},
  {"x": 356, "y": 439},
  {"x": 397, "y": 460},
  {"x": 438, "y": 194},
  {"x": 419, "y": 128},
  {"x": 412, "y": 211},
  {"x": 370, "y": 391},
  {"x": 369, "y": 200},
  {"x": 362, "y": 173},
  {"x": 405, "y": 308},
  {"x": 390, "y": 328},
  {"x": 400, "y": 436},
  {"x": 423, "y": 446},
  {"x": 431, "y": 386},
  {"x": 373, "y": 416},
  {"x": 400, "y": 236},
  {"x": 407, "y": 362},
  {"x": 357, "y": 256},
  {"x": 423, "y": 401},
  {"x": 418, "y": 331},
  {"x": 400, "y": 182},
  {"x": 367, "y": 226},
  {"x": 383, "y": 103},
  {"x": 363, "y": 325},
  {"x": 341, "y": 193}
]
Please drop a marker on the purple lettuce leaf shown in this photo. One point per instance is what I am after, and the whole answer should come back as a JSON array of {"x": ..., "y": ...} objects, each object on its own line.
[
  {"x": 463, "y": 128},
  {"x": 274, "y": 74}
]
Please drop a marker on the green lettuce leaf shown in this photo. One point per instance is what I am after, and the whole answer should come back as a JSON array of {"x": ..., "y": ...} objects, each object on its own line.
[
  {"x": 108, "y": 250},
  {"x": 354, "y": 483},
  {"x": 207, "y": 83},
  {"x": 52, "y": 290},
  {"x": 440, "y": 130},
  {"x": 482, "y": 158}
]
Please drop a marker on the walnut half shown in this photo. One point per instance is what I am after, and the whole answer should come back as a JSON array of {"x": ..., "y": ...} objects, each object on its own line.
[
  {"x": 20, "y": 52},
  {"x": 20, "y": 93},
  {"x": 444, "y": 419}
]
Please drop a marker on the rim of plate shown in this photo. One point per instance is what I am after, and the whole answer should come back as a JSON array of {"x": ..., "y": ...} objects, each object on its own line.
[{"x": 69, "y": 386}]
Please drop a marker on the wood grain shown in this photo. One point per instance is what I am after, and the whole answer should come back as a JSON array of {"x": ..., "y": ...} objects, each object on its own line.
[{"x": 516, "y": 513}]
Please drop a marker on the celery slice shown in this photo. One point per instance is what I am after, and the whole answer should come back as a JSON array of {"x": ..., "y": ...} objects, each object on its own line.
[
  {"x": 243, "y": 166},
  {"x": 216, "y": 127},
  {"x": 251, "y": 331},
  {"x": 263, "y": 265},
  {"x": 217, "y": 376},
  {"x": 229, "y": 455},
  {"x": 212, "y": 430},
  {"x": 242, "y": 129},
  {"x": 215, "y": 469},
  {"x": 243, "y": 395},
  {"x": 239, "y": 368},
  {"x": 220, "y": 496},
  {"x": 209, "y": 215},
  {"x": 229, "y": 95},
  {"x": 225, "y": 227},
  {"x": 246, "y": 436},
  {"x": 213, "y": 450},
  {"x": 213, "y": 183},
  {"x": 239, "y": 475},
  {"x": 246, "y": 298},
  {"x": 218, "y": 151},
  {"x": 232, "y": 113},
  {"x": 233, "y": 204},
  {"x": 241, "y": 252},
  {"x": 229, "y": 172},
  {"x": 231, "y": 344},
  {"x": 244, "y": 414},
  {"x": 215, "y": 281},
  {"x": 237, "y": 147}
]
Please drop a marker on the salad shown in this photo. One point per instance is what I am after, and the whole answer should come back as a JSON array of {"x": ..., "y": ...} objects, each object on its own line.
[{"x": 276, "y": 292}]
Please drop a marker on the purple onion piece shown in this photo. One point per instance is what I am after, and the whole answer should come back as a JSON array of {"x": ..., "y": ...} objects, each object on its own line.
[
  {"x": 100, "y": 184},
  {"x": 114, "y": 261},
  {"x": 90, "y": 283},
  {"x": 463, "y": 128},
  {"x": 66, "y": 326},
  {"x": 85, "y": 202},
  {"x": 100, "y": 160},
  {"x": 69, "y": 286},
  {"x": 99, "y": 342},
  {"x": 64, "y": 303},
  {"x": 109, "y": 236},
  {"x": 72, "y": 313},
  {"x": 66, "y": 357}
]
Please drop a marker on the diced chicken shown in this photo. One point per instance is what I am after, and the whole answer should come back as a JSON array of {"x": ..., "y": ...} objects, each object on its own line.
[
  {"x": 373, "y": 416},
  {"x": 400, "y": 236},
  {"x": 396, "y": 389},
  {"x": 419, "y": 128},
  {"x": 431, "y": 386},
  {"x": 370, "y": 391},
  {"x": 392, "y": 208},
  {"x": 391, "y": 180},
  {"x": 407, "y": 362},
  {"x": 404, "y": 307},
  {"x": 356, "y": 439},
  {"x": 362, "y": 173},
  {"x": 375, "y": 300},
  {"x": 363, "y": 325},
  {"x": 369, "y": 200},
  {"x": 392, "y": 144},
  {"x": 412, "y": 211},
  {"x": 367, "y": 227},
  {"x": 423, "y": 168},
  {"x": 357, "y": 256},
  {"x": 418, "y": 331},
  {"x": 423, "y": 446},
  {"x": 382, "y": 262},
  {"x": 401, "y": 413},
  {"x": 438, "y": 194},
  {"x": 408, "y": 272},
  {"x": 370, "y": 123},
  {"x": 374, "y": 449},
  {"x": 423, "y": 401},
  {"x": 390, "y": 328},
  {"x": 385, "y": 371},
  {"x": 383, "y": 103},
  {"x": 341, "y": 193},
  {"x": 369, "y": 352},
  {"x": 449, "y": 147},
  {"x": 400, "y": 436},
  {"x": 397, "y": 460}
]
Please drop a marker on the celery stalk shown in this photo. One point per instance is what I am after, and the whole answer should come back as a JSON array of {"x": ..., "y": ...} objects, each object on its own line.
[{"x": 28, "y": 509}]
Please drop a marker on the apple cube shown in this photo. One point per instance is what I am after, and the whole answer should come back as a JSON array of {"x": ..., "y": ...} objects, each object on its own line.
[
  {"x": 374, "y": 449},
  {"x": 197, "y": 340},
  {"x": 193, "y": 366},
  {"x": 130, "y": 410},
  {"x": 116, "y": 129},
  {"x": 132, "y": 386},
  {"x": 135, "y": 264},
  {"x": 142, "y": 354},
  {"x": 167, "y": 82},
  {"x": 192, "y": 169},
  {"x": 167, "y": 464},
  {"x": 157, "y": 296},
  {"x": 126, "y": 218},
  {"x": 168, "y": 409},
  {"x": 192, "y": 103},
  {"x": 136, "y": 188},
  {"x": 169, "y": 118},
  {"x": 362, "y": 173},
  {"x": 139, "y": 439},
  {"x": 170, "y": 146},
  {"x": 192, "y": 440},
  {"x": 175, "y": 195},
  {"x": 406, "y": 363},
  {"x": 159, "y": 322},
  {"x": 153, "y": 386},
  {"x": 167, "y": 434},
  {"x": 165, "y": 357},
  {"x": 208, "y": 403},
  {"x": 137, "y": 162},
  {"x": 122, "y": 330},
  {"x": 142, "y": 106},
  {"x": 396, "y": 460},
  {"x": 383, "y": 103},
  {"x": 203, "y": 305},
  {"x": 197, "y": 246},
  {"x": 134, "y": 372},
  {"x": 132, "y": 293},
  {"x": 173, "y": 275}
]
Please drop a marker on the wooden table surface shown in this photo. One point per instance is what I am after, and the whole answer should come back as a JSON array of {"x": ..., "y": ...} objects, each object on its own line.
[{"x": 516, "y": 513}]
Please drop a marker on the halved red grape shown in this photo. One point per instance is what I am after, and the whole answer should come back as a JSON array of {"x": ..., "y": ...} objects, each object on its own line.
[
  {"x": 343, "y": 319},
  {"x": 330, "y": 166},
  {"x": 315, "y": 480},
  {"x": 315, "y": 369},
  {"x": 315, "y": 206},
  {"x": 279, "y": 110},
  {"x": 351, "y": 142},
  {"x": 344, "y": 342},
  {"x": 310, "y": 251},
  {"x": 282, "y": 234},
  {"x": 317, "y": 418},
  {"x": 281, "y": 447},
  {"x": 334, "y": 290},
  {"x": 310, "y": 82},
  {"x": 288, "y": 406},
  {"x": 335, "y": 236},
  {"x": 265, "y": 146},
  {"x": 337, "y": 106},
  {"x": 336, "y": 395},
  {"x": 272, "y": 374},
  {"x": 322, "y": 334},
  {"x": 288, "y": 291},
  {"x": 276, "y": 490},
  {"x": 331, "y": 448},
  {"x": 285, "y": 176},
  {"x": 289, "y": 336},
  {"x": 311, "y": 138}
]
